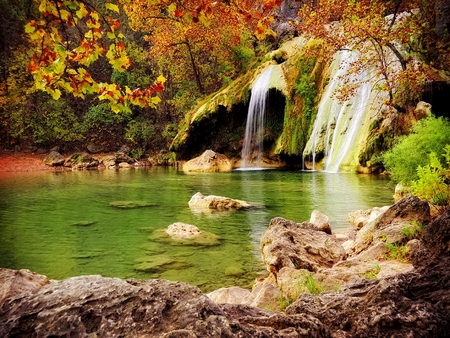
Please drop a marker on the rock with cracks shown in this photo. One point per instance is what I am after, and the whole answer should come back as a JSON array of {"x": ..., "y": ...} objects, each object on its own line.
[{"x": 95, "y": 306}]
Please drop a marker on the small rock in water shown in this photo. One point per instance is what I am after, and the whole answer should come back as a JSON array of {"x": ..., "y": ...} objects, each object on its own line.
[
  {"x": 131, "y": 204},
  {"x": 185, "y": 234}
]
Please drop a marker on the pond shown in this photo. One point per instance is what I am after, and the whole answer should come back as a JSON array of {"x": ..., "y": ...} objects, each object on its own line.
[{"x": 62, "y": 224}]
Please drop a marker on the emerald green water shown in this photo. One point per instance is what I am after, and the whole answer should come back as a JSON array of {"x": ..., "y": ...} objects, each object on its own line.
[{"x": 45, "y": 217}]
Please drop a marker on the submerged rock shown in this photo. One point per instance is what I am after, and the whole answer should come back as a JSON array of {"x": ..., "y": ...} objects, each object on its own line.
[
  {"x": 208, "y": 162},
  {"x": 159, "y": 264},
  {"x": 202, "y": 203},
  {"x": 131, "y": 204},
  {"x": 83, "y": 223}
]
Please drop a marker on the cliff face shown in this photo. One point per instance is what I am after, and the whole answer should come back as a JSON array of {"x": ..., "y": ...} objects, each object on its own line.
[{"x": 305, "y": 124}]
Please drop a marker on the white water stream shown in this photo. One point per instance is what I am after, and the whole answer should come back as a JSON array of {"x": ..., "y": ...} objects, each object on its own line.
[
  {"x": 254, "y": 129},
  {"x": 337, "y": 124}
]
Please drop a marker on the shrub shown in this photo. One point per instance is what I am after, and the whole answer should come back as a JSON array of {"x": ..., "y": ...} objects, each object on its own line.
[
  {"x": 433, "y": 181},
  {"x": 427, "y": 136}
]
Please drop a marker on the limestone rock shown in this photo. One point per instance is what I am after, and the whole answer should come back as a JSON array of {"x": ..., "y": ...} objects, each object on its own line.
[
  {"x": 207, "y": 162},
  {"x": 287, "y": 244},
  {"x": 89, "y": 306},
  {"x": 180, "y": 230},
  {"x": 321, "y": 221},
  {"x": 231, "y": 295},
  {"x": 202, "y": 203},
  {"x": 54, "y": 158},
  {"x": 186, "y": 234},
  {"x": 81, "y": 161},
  {"x": 408, "y": 209},
  {"x": 17, "y": 282}
]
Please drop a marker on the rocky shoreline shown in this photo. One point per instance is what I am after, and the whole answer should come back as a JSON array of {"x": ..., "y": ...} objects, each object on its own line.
[{"x": 360, "y": 292}]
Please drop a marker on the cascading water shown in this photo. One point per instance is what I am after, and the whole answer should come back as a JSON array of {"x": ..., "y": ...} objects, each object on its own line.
[
  {"x": 337, "y": 124},
  {"x": 254, "y": 129}
]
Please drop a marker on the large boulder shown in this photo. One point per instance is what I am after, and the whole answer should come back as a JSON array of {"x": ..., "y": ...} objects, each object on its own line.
[
  {"x": 95, "y": 306},
  {"x": 54, "y": 158},
  {"x": 289, "y": 244},
  {"x": 209, "y": 203},
  {"x": 208, "y": 162}
]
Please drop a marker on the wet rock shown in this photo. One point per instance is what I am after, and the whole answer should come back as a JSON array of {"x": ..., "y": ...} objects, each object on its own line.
[
  {"x": 19, "y": 282},
  {"x": 201, "y": 203},
  {"x": 111, "y": 307},
  {"x": 54, "y": 159},
  {"x": 81, "y": 161},
  {"x": 131, "y": 204},
  {"x": 207, "y": 162},
  {"x": 287, "y": 244}
]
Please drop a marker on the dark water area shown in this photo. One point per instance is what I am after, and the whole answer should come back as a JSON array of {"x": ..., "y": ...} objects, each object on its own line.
[{"x": 61, "y": 224}]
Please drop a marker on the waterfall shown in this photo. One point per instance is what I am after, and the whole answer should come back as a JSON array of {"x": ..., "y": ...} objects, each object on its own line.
[
  {"x": 254, "y": 129},
  {"x": 337, "y": 124}
]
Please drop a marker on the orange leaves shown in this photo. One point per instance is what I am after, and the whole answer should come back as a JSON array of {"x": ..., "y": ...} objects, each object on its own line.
[
  {"x": 381, "y": 41},
  {"x": 72, "y": 35}
]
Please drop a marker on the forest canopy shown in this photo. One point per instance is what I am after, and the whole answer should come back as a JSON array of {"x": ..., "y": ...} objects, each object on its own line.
[{"x": 68, "y": 66}]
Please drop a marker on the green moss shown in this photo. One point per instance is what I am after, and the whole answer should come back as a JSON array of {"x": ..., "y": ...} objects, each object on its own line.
[{"x": 301, "y": 109}]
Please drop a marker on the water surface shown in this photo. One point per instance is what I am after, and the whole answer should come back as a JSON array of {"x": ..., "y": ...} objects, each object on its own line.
[{"x": 61, "y": 224}]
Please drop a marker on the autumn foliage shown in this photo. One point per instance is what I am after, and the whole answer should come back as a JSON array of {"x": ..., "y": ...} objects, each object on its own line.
[
  {"x": 390, "y": 38},
  {"x": 69, "y": 37}
]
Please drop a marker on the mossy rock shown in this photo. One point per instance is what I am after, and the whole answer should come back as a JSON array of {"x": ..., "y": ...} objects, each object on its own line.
[{"x": 132, "y": 204}]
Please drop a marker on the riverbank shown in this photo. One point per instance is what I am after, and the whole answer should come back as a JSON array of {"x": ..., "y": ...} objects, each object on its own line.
[{"x": 22, "y": 162}]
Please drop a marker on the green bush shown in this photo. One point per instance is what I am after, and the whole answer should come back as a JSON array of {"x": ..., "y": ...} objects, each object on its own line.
[
  {"x": 427, "y": 136},
  {"x": 433, "y": 181}
]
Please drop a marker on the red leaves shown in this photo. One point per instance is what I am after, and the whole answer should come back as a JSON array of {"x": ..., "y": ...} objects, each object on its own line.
[{"x": 32, "y": 65}]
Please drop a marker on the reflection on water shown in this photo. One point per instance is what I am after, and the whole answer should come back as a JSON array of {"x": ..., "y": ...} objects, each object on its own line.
[{"x": 61, "y": 224}]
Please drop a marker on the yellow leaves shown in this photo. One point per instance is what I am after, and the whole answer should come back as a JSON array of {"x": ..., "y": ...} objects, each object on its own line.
[
  {"x": 112, "y": 7},
  {"x": 161, "y": 79},
  {"x": 82, "y": 11},
  {"x": 30, "y": 27},
  {"x": 56, "y": 94}
]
